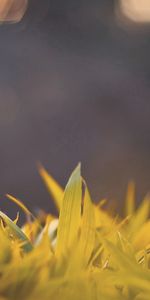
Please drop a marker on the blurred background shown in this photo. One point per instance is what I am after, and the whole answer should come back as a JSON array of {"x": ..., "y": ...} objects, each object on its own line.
[{"x": 74, "y": 86}]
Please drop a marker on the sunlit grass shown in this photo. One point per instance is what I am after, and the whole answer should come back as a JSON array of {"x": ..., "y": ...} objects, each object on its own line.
[{"x": 86, "y": 254}]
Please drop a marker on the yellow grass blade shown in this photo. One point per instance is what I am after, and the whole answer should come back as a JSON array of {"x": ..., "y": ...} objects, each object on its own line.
[
  {"x": 142, "y": 236},
  {"x": 53, "y": 187},
  {"x": 87, "y": 236},
  {"x": 140, "y": 216},
  {"x": 17, "y": 218},
  {"x": 26, "y": 211},
  {"x": 20, "y": 204},
  {"x": 102, "y": 218},
  {"x": 83, "y": 247},
  {"x": 17, "y": 232},
  {"x": 70, "y": 213}
]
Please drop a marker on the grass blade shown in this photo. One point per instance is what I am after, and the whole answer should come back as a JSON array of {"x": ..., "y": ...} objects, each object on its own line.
[
  {"x": 53, "y": 187},
  {"x": 70, "y": 213},
  {"x": 17, "y": 232}
]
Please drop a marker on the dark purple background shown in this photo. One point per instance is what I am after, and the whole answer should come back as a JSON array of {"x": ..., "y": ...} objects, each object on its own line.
[{"x": 74, "y": 86}]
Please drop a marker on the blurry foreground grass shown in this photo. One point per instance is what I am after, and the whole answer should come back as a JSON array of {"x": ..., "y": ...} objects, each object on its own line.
[{"x": 85, "y": 255}]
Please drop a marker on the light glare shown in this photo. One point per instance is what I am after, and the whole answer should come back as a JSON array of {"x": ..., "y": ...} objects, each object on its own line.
[
  {"x": 135, "y": 10},
  {"x": 12, "y": 10}
]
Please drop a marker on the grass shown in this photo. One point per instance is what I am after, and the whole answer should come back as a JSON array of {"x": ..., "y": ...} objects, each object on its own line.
[{"x": 85, "y": 255}]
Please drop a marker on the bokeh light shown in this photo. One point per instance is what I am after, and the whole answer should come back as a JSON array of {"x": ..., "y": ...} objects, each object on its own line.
[
  {"x": 12, "y": 10},
  {"x": 135, "y": 10}
]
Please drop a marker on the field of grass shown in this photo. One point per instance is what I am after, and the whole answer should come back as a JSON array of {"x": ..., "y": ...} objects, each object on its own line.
[{"x": 86, "y": 254}]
